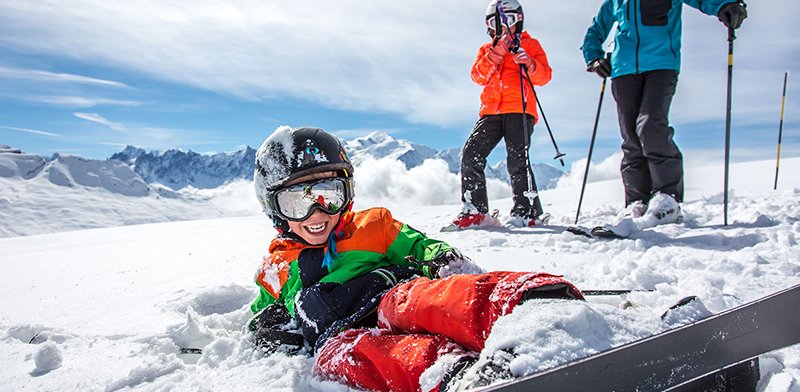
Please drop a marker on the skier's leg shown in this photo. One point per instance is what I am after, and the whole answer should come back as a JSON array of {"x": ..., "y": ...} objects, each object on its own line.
[
  {"x": 380, "y": 360},
  {"x": 517, "y": 145},
  {"x": 664, "y": 159},
  {"x": 627, "y": 92},
  {"x": 484, "y": 138},
  {"x": 464, "y": 307}
]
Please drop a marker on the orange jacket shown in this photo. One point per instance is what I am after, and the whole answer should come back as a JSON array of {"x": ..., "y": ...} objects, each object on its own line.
[{"x": 501, "y": 87}]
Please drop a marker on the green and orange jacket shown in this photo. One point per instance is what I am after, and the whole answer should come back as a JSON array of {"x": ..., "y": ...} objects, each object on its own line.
[
  {"x": 370, "y": 240},
  {"x": 502, "y": 92}
]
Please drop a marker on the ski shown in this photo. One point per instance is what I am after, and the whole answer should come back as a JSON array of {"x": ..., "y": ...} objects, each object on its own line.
[
  {"x": 680, "y": 358},
  {"x": 596, "y": 232},
  {"x": 605, "y": 232}
]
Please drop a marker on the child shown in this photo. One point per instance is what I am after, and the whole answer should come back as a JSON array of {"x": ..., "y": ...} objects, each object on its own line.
[
  {"x": 507, "y": 68},
  {"x": 378, "y": 301}
]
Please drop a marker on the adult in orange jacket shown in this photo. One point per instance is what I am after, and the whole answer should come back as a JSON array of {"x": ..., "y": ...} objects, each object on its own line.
[{"x": 501, "y": 67}]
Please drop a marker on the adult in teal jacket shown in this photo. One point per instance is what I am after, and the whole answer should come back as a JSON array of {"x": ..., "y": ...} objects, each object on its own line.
[{"x": 644, "y": 69}]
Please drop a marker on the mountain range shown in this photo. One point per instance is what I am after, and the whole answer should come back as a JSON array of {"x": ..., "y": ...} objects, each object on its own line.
[
  {"x": 177, "y": 169},
  {"x": 137, "y": 172}
]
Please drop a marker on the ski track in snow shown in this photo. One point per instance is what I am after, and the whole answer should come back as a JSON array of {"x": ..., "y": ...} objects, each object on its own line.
[{"x": 111, "y": 307}]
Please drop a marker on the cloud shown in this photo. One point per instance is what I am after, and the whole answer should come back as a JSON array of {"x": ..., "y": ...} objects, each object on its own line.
[
  {"x": 61, "y": 89},
  {"x": 79, "y": 102},
  {"x": 46, "y": 76},
  {"x": 607, "y": 169},
  {"x": 410, "y": 58},
  {"x": 33, "y": 131},
  {"x": 145, "y": 136},
  {"x": 94, "y": 117},
  {"x": 388, "y": 182}
]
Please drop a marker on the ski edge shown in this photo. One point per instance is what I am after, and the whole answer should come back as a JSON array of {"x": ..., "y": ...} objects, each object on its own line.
[{"x": 591, "y": 370}]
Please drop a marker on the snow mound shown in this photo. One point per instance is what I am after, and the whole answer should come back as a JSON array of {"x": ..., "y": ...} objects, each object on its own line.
[{"x": 48, "y": 358}]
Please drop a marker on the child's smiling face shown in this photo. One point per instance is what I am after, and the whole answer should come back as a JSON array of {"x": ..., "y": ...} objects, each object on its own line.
[{"x": 316, "y": 229}]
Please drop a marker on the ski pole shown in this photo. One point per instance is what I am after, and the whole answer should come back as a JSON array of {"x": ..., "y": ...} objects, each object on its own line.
[
  {"x": 531, "y": 193},
  {"x": 591, "y": 144},
  {"x": 731, "y": 37},
  {"x": 559, "y": 155},
  {"x": 780, "y": 131}
]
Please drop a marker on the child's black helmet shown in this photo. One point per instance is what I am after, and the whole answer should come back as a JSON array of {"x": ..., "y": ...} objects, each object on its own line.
[{"x": 291, "y": 153}]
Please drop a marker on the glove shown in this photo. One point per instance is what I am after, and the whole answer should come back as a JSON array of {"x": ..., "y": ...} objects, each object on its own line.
[
  {"x": 732, "y": 14},
  {"x": 446, "y": 263},
  {"x": 271, "y": 316},
  {"x": 268, "y": 327},
  {"x": 522, "y": 58},
  {"x": 499, "y": 50},
  {"x": 600, "y": 66}
]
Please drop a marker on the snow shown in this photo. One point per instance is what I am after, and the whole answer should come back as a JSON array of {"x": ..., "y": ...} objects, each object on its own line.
[
  {"x": 276, "y": 168},
  {"x": 108, "y": 308}
]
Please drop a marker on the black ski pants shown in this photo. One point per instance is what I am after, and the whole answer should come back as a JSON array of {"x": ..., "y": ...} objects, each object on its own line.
[
  {"x": 485, "y": 136},
  {"x": 651, "y": 161}
]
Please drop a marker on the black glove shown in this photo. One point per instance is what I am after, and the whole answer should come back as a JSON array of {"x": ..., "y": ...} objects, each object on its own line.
[
  {"x": 269, "y": 327},
  {"x": 431, "y": 267},
  {"x": 600, "y": 66},
  {"x": 733, "y": 14}
]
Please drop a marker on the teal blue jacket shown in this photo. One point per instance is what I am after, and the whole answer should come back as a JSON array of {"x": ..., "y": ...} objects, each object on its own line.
[{"x": 648, "y": 35}]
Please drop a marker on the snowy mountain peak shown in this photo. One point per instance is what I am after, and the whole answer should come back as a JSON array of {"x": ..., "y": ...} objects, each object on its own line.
[
  {"x": 6, "y": 149},
  {"x": 376, "y": 137},
  {"x": 16, "y": 164},
  {"x": 178, "y": 169},
  {"x": 129, "y": 154},
  {"x": 112, "y": 175},
  {"x": 379, "y": 145}
]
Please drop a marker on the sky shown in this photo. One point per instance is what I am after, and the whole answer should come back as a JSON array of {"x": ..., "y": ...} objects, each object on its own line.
[{"x": 89, "y": 77}]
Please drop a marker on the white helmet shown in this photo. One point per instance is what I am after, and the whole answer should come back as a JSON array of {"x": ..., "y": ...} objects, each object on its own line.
[{"x": 508, "y": 6}]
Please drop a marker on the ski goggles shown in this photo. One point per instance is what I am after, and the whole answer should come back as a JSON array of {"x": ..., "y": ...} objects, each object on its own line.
[
  {"x": 297, "y": 202},
  {"x": 511, "y": 19}
]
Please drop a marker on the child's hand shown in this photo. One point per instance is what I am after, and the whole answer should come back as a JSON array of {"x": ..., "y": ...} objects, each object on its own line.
[
  {"x": 499, "y": 50},
  {"x": 447, "y": 263},
  {"x": 522, "y": 58}
]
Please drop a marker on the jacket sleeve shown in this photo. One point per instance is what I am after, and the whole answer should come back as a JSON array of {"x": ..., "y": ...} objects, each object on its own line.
[
  {"x": 708, "y": 7},
  {"x": 542, "y": 72},
  {"x": 598, "y": 32},
  {"x": 483, "y": 69},
  {"x": 411, "y": 242},
  {"x": 263, "y": 299},
  {"x": 278, "y": 278}
]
